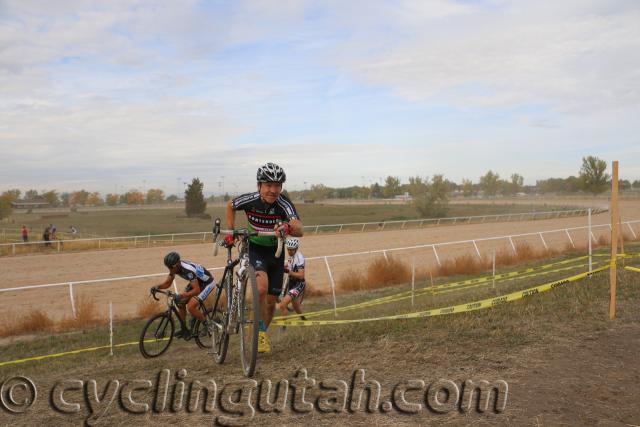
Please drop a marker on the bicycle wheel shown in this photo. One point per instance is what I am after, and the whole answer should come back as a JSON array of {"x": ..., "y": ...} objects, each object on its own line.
[
  {"x": 156, "y": 335},
  {"x": 219, "y": 318},
  {"x": 249, "y": 316},
  {"x": 202, "y": 335}
]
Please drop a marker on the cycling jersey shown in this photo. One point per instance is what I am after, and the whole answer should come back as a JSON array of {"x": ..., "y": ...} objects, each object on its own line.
[
  {"x": 263, "y": 216},
  {"x": 191, "y": 271},
  {"x": 295, "y": 263}
]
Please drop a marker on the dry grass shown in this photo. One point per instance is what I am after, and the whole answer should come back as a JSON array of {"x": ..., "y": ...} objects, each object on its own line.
[
  {"x": 86, "y": 317},
  {"x": 460, "y": 265},
  {"x": 310, "y": 291},
  {"x": 33, "y": 322},
  {"x": 380, "y": 272},
  {"x": 148, "y": 307}
]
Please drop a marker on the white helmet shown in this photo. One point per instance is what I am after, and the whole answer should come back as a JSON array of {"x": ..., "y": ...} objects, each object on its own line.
[
  {"x": 270, "y": 172},
  {"x": 292, "y": 243}
]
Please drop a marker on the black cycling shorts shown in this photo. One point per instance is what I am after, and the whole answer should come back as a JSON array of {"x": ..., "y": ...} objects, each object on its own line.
[{"x": 263, "y": 258}]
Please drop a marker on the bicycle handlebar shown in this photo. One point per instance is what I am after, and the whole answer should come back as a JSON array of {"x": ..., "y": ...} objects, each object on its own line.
[
  {"x": 243, "y": 232},
  {"x": 155, "y": 291}
]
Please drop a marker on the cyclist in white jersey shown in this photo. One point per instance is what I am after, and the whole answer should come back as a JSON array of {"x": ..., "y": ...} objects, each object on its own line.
[{"x": 295, "y": 269}]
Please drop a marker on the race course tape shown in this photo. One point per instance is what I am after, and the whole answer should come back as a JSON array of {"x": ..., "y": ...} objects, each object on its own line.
[
  {"x": 460, "y": 308},
  {"x": 538, "y": 270},
  {"x": 66, "y": 353}
]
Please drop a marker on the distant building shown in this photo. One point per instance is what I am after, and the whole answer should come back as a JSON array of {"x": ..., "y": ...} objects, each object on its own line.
[{"x": 30, "y": 204}]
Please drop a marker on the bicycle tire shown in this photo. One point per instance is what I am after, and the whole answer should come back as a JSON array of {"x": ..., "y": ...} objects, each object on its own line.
[
  {"x": 161, "y": 335},
  {"x": 201, "y": 335},
  {"x": 219, "y": 320},
  {"x": 249, "y": 317}
]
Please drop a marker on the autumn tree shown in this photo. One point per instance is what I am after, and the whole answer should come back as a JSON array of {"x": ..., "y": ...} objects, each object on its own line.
[
  {"x": 78, "y": 197},
  {"x": 94, "y": 199},
  {"x": 489, "y": 183},
  {"x": 155, "y": 195},
  {"x": 111, "y": 199},
  {"x": 391, "y": 186},
  {"x": 467, "y": 188},
  {"x": 593, "y": 176},
  {"x": 134, "y": 197},
  {"x": 434, "y": 200}
]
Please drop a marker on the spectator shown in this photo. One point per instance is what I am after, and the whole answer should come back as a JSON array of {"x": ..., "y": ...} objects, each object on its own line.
[
  {"x": 45, "y": 236},
  {"x": 25, "y": 233}
]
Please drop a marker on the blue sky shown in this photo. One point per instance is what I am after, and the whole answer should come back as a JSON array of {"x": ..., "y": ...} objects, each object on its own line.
[{"x": 109, "y": 96}]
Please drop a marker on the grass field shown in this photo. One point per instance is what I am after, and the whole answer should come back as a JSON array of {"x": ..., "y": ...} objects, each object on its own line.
[{"x": 159, "y": 221}]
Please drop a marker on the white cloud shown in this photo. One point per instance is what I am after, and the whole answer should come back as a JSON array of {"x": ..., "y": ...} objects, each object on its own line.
[{"x": 567, "y": 57}]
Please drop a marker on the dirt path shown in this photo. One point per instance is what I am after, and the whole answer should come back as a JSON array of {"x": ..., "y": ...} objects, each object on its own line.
[{"x": 126, "y": 295}]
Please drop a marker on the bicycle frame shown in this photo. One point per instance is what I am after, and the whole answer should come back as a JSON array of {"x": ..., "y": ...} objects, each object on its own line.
[{"x": 172, "y": 309}]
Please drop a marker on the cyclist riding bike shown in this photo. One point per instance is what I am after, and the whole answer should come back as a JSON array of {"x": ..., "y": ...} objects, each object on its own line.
[
  {"x": 200, "y": 285},
  {"x": 295, "y": 269},
  {"x": 267, "y": 210}
]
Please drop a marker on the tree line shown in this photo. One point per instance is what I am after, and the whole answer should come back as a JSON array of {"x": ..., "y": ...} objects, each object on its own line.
[{"x": 429, "y": 194}]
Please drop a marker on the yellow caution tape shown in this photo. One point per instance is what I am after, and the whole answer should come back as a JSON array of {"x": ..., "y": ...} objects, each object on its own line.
[
  {"x": 460, "y": 308},
  {"x": 637, "y": 270},
  {"x": 68, "y": 353},
  {"x": 475, "y": 281}
]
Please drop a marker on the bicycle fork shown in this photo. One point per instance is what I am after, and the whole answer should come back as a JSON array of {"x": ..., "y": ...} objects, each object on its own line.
[{"x": 234, "y": 312}]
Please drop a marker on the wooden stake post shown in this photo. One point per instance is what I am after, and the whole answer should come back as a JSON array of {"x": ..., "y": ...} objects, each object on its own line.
[{"x": 614, "y": 241}]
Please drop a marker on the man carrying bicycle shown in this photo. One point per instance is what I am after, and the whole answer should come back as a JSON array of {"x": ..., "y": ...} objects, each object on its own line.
[
  {"x": 267, "y": 210},
  {"x": 200, "y": 285},
  {"x": 295, "y": 270}
]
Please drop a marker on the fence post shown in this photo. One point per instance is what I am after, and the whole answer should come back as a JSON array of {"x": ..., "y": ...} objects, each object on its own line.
[
  {"x": 73, "y": 303},
  {"x": 340, "y": 231},
  {"x": 632, "y": 232},
  {"x": 385, "y": 256},
  {"x": 110, "y": 328},
  {"x": 494, "y": 268},
  {"x": 135, "y": 241},
  {"x": 413, "y": 279},
  {"x": 436, "y": 254},
  {"x": 477, "y": 251},
  {"x": 383, "y": 224},
  {"x": 513, "y": 246},
  {"x": 13, "y": 248},
  {"x": 403, "y": 224},
  {"x": 99, "y": 243},
  {"x": 543, "y": 242},
  {"x": 317, "y": 229},
  {"x": 363, "y": 225},
  {"x": 333, "y": 287},
  {"x": 589, "y": 238},
  {"x": 148, "y": 240},
  {"x": 204, "y": 236},
  {"x": 570, "y": 239},
  {"x": 58, "y": 245}
]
